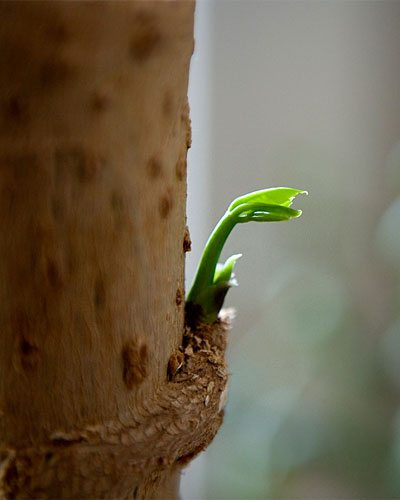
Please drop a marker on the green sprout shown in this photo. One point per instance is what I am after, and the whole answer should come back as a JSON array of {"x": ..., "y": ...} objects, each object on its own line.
[{"x": 213, "y": 279}]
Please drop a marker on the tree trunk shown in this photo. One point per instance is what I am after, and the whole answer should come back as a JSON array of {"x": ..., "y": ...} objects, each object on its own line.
[{"x": 103, "y": 391}]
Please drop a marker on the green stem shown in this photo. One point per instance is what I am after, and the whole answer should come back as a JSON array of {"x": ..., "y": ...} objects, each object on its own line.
[{"x": 209, "y": 259}]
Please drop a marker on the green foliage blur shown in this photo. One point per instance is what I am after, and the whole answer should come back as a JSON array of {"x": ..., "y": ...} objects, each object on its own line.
[
  {"x": 313, "y": 407},
  {"x": 307, "y": 94}
]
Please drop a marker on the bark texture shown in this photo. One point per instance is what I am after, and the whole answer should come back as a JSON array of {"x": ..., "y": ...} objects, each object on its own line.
[{"x": 102, "y": 395}]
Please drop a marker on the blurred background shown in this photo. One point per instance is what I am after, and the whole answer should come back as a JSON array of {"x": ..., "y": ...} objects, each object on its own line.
[{"x": 303, "y": 94}]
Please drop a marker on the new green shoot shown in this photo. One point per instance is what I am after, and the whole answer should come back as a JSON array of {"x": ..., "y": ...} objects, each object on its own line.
[{"x": 213, "y": 280}]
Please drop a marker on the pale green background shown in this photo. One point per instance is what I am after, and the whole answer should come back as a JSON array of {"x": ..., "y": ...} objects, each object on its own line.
[{"x": 303, "y": 94}]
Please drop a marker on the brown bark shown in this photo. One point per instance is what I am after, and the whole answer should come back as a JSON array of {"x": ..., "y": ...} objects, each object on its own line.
[{"x": 94, "y": 132}]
